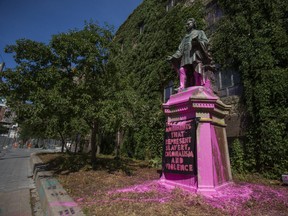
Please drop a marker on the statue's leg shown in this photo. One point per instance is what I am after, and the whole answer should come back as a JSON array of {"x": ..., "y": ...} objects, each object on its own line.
[
  {"x": 183, "y": 77},
  {"x": 197, "y": 79},
  {"x": 198, "y": 75},
  {"x": 190, "y": 76}
]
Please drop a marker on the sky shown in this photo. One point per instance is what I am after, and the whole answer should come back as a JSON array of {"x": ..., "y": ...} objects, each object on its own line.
[{"x": 40, "y": 19}]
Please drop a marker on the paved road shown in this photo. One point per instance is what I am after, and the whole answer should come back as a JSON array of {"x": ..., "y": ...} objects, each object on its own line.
[{"x": 15, "y": 182}]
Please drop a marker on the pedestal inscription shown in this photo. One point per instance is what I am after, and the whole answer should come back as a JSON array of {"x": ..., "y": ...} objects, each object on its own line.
[{"x": 179, "y": 147}]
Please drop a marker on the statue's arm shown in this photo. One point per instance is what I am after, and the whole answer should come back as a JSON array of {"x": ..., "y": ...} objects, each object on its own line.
[
  {"x": 202, "y": 37},
  {"x": 177, "y": 55}
]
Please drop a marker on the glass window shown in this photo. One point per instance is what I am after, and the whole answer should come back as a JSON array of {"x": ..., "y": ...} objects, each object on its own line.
[
  {"x": 168, "y": 91},
  {"x": 141, "y": 28},
  {"x": 170, "y": 4},
  {"x": 228, "y": 78}
]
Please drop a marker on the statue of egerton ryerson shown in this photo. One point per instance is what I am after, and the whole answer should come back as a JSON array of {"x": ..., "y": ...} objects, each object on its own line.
[{"x": 191, "y": 58}]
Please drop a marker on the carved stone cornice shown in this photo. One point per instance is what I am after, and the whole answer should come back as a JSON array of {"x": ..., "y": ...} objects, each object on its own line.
[{"x": 194, "y": 102}]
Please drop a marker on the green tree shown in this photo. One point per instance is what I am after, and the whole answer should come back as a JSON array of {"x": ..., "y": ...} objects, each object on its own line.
[
  {"x": 84, "y": 55},
  {"x": 252, "y": 38},
  {"x": 34, "y": 88},
  {"x": 61, "y": 85}
]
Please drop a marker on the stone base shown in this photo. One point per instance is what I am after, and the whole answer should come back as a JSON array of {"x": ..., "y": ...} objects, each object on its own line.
[
  {"x": 206, "y": 191},
  {"x": 212, "y": 156},
  {"x": 189, "y": 182}
]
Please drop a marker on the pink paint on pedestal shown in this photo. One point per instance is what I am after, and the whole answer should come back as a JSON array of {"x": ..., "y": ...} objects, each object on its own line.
[
  {"x": 204, "y": 159},
  {"x": 212, "y": 157}
]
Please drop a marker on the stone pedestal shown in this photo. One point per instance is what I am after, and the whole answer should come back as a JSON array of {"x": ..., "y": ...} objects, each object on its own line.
[{"x": 211, "y": 166}]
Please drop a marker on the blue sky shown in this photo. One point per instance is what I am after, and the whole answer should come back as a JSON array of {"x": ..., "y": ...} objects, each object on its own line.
[{"x": 39, "y": 19}]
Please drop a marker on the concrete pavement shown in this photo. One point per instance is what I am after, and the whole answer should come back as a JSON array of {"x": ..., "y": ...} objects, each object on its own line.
[
  {"x": 19, "y": 168},
  {"x": 16, "y": 182}
]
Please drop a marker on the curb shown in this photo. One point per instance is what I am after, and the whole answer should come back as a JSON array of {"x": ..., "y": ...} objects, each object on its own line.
[{"x": 54, "y": 199}]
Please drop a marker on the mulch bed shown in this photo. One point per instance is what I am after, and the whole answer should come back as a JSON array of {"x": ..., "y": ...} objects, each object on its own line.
[{"x": 130, "y": 187}]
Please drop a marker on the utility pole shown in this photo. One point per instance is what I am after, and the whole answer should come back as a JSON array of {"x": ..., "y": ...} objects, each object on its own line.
[{"x": 2, "y": 65}]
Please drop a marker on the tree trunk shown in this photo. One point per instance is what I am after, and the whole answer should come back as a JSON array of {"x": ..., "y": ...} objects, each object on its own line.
[
  {"x": 63, "y": 142},
  {"x": 76, "y": 145},
  {"x": 70, "y": 147},
  {"x": 77, "y": 142},
  {"x": 93, "y": 142},
  {"x": 119, "y": 142},
  {"x": 98, "y": 141}
]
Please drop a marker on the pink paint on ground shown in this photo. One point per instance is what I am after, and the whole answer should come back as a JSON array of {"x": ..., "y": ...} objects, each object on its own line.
[
  {"x": 66, "y": 204},
  {"x": 142, "y": 188},
  {"x": 79, "y": 199},
  {"x": 235, "y": 197},
  {"x": 232, "y": 198},
  {"x": 163, "y": 194},
  {"x": 159, "y": 200}
]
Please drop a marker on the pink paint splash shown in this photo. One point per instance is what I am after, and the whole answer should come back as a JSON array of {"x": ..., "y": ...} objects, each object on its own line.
[
  {"x": 232, "y": 199},
  {"x": 66, "y": 204},
  {"x": 157, "y": 200},
  {"x": 234, "y": 195},
  {"x": 143, "y": 188},
  {"x": 79, "y": 199},
  {"x": 162, "y": 193}
]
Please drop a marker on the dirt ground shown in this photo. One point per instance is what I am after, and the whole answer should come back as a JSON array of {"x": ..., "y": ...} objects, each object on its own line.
[{"x": 130, "y": 187}]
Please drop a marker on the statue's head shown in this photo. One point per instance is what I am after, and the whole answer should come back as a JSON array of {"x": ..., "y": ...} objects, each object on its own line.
[{"x": 190, "y": 24}]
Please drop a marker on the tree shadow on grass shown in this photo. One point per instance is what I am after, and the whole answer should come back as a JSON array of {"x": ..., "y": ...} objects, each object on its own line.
[{"x": 67, "y": 163}]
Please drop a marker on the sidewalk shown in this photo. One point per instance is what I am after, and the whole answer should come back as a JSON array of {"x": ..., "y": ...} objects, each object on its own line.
[
  {"x": 15, "y": 203},
  {"x": 15, "y": 184}
]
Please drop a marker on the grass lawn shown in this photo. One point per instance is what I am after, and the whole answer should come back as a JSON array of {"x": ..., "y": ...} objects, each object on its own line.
[{"x": 130, "y": 187}]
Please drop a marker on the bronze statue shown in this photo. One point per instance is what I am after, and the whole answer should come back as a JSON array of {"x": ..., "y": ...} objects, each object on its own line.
[{"x": 192, "y": 58}]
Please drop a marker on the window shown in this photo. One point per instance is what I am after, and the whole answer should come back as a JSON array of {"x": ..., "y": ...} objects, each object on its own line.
[
  {"x": 170, "y": 4},
  {"x": 141, "y": 28},
  {"x": 228, "y": 83},
  {"x": 121, "y": 42},
  {"x": 213, "y": 14},
  {"x": 168, "y": 91},
  {"x": 228, "y": 78}
]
